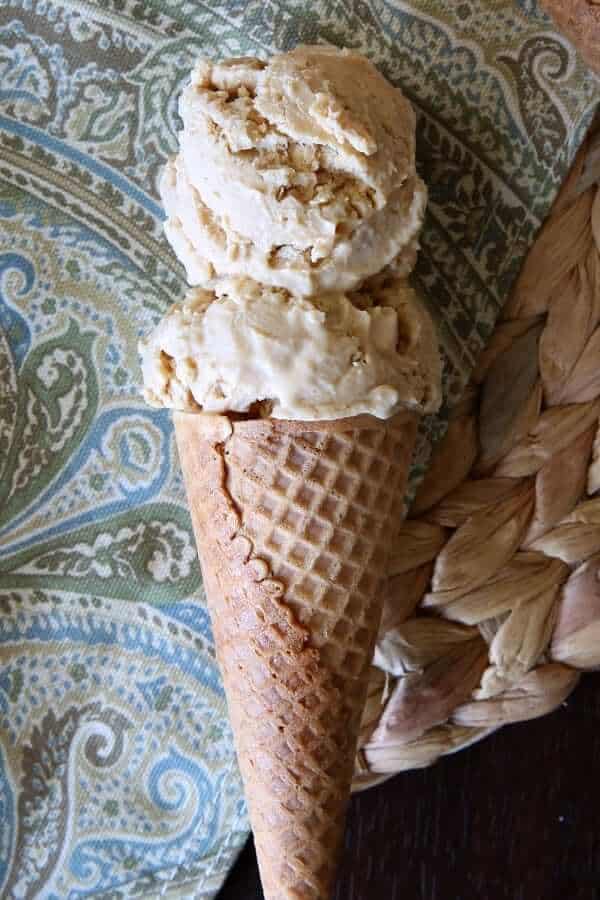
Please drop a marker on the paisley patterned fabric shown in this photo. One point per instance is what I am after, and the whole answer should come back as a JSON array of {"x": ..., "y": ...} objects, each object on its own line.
[{"x": 117, "y": 774}]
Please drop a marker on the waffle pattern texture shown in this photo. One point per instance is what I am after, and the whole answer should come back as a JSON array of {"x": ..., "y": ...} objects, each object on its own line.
[{"x": 293, "y": 523}]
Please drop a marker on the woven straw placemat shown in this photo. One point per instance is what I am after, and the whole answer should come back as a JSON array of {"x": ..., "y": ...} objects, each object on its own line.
[{"x": 493, "y": 607}]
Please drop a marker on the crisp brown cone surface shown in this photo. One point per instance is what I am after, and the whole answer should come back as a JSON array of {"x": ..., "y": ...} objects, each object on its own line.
[{"x": 293, "y": 523}]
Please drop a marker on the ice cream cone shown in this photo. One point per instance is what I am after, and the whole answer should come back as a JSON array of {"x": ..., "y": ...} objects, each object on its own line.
[
  {"x": 293, "y": 521},
  {"x": 297, "y": 221}
]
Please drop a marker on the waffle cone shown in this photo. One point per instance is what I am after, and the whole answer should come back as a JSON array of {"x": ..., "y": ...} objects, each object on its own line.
[{"x": 293, "y": 522}]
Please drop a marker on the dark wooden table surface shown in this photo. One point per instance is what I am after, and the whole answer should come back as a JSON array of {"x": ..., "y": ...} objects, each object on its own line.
[{"x": 516, "y": 817}]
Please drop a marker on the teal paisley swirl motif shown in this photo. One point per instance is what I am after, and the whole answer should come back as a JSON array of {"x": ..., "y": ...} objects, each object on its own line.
[
  {"x": 185, "y": 798},
  {"x": 116, "y": 785},
  {"x": 44, "y": 787},
  {"x": 12, "y": 323},
  {"x": 56, "y": 404},
  {"x": 69, "y": 450}
]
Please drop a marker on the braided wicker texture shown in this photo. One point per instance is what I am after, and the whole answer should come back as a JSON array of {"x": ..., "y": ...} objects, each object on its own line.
[{"x": 493, "y": 604}]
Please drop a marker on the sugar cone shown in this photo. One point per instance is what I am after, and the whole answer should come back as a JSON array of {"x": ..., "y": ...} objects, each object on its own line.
[{"x": 293, "y": 522}]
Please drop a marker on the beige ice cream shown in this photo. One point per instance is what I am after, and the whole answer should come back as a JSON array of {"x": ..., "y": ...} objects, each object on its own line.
[
  {"x": 298, "y": 173},
  {"x": 327, "y": 357}
]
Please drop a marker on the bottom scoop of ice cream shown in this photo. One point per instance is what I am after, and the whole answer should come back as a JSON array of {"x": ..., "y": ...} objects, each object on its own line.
[{"x": 244, "y": 347}]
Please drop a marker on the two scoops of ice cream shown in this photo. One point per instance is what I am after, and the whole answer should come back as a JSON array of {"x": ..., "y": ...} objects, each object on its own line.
[{"x": 298, "y": 365}]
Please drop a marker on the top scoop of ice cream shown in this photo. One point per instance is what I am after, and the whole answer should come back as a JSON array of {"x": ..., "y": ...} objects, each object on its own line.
[
  {"x": 246, "y": 347},
  {"x": 298, "y": 173}
]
